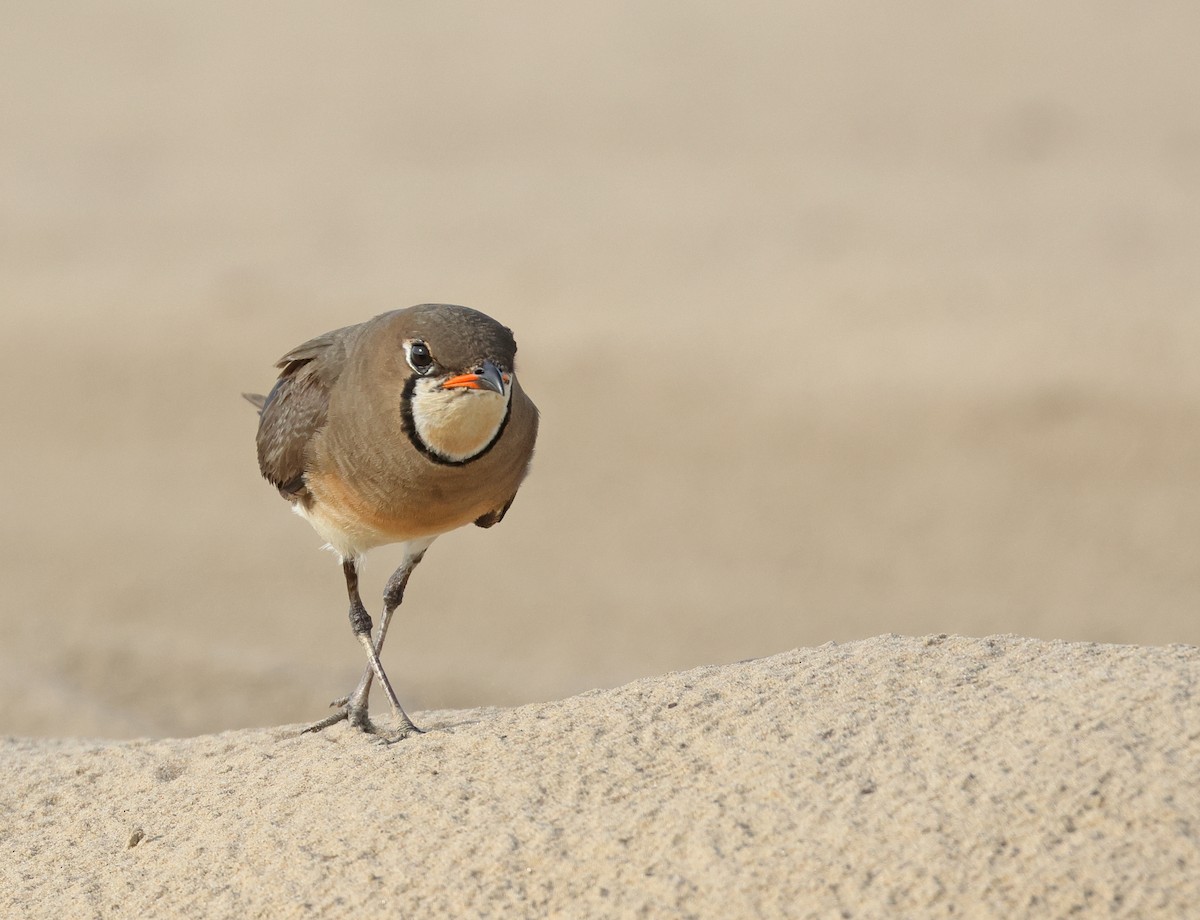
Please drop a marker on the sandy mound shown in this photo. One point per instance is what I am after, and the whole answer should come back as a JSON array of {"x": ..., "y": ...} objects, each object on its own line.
[{"x": 940, "y": 776}]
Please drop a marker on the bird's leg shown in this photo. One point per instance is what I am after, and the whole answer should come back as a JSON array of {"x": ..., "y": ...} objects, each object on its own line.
[
  {"x": 354, "y": 706},
  {"x": 393, "y": 595}
]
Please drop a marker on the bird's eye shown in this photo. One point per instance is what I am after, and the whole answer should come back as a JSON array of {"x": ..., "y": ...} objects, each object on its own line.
[{"x": 419, "y": 356}]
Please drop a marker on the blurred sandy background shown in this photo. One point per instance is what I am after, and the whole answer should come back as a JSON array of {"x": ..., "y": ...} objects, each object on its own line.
[{"x": 844, "y": 319}]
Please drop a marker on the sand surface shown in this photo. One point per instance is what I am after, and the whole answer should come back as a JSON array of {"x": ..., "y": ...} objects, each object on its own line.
[{"x": 939, "y": 776}]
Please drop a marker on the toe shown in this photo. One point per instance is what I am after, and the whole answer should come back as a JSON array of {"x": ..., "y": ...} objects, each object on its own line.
[{"x": 333, "y": 719}]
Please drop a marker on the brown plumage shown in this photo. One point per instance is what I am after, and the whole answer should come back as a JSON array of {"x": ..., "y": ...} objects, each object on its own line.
[{"x": 396, "y": 430}]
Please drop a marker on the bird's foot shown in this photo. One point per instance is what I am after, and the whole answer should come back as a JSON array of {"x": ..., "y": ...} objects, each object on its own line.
[
  {"x": 345, "y": 711},
  {"x": 357, "y": 717},
  {"x": 403, "y": 729},
  {"x": 392, "y": 735}
]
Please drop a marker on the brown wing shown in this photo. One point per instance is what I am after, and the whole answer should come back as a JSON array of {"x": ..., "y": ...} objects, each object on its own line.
[
  {"x": 296, "y": 408},
  {"x": 495, "y": 517}
]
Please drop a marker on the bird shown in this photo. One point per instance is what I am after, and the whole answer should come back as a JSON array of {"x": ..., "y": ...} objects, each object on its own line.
[{"x": 395, "y": 431}]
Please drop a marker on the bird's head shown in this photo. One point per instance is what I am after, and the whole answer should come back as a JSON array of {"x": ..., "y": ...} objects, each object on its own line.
[{"x": 460, "y": 377}]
